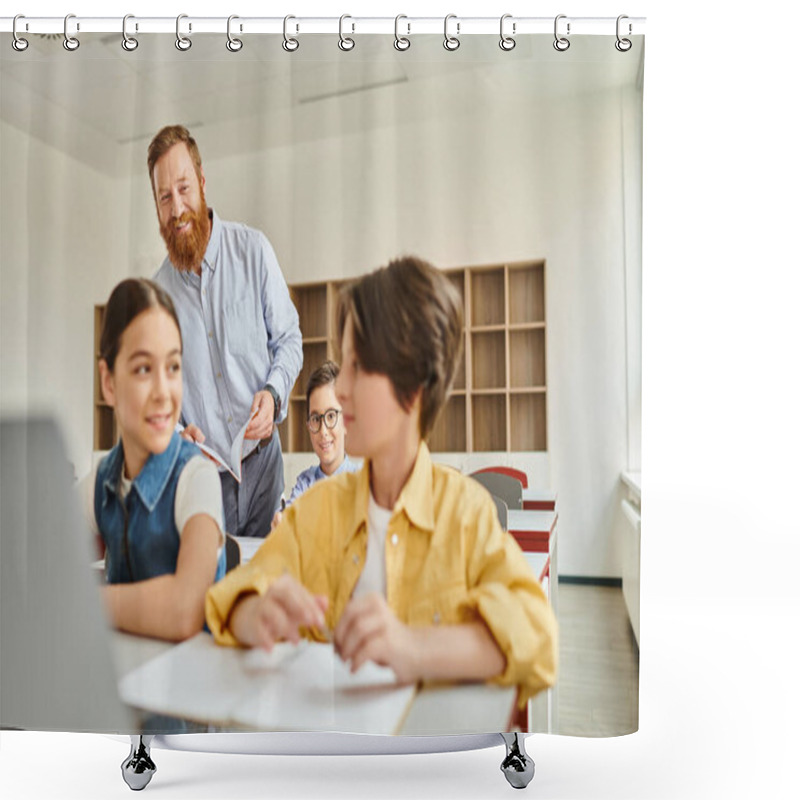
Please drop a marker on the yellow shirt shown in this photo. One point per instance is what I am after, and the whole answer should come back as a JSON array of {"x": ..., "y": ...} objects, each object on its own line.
[{"x": 448, "y": 561}]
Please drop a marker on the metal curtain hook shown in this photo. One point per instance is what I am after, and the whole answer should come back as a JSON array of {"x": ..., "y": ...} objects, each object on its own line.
[
  {"x": 182, "y": 42},
  {"x": 561, "y": 43},
  {"x": 290, "y": 44},
  {"x": 401, "y": 42},
  {"x": 507, "y": 42},
  {"x": 18, "y": 43},
  {"x": 346, "y": 42},
  {"x": 129, "y": 43},
  {"x": 233, "y": 44},
  {"x": 70, "y": 42},
  {"x": 451, "y": 42},
  {"x": 623, "y": 45}
]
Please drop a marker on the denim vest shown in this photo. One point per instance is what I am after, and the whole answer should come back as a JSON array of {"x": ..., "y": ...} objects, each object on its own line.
[{"x": 152, "y": 538}]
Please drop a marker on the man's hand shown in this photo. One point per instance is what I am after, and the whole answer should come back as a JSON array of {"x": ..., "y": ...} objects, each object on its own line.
[
  {"x": 261, "y": 425},
  {"x": 193, "y": 434},
  {"x": 368, "y": 630},
  {"x": 262, "y": 621}
]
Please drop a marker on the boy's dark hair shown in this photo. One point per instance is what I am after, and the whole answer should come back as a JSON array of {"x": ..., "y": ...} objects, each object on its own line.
[
  {"x": 129, "y": 299},
  {"x": 324, "y": 374},
  {"x": 166, "y": 138},
  {"x": 407, "y": 325}
]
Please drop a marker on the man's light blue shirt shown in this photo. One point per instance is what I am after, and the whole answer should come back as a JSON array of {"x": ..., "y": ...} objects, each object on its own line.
[
  {"x": 240, "y": 331},
  {"x": 308, "y": 477}
]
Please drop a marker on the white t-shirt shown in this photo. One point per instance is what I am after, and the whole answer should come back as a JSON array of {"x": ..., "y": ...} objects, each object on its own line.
[
  {"x": 373, "y": 576},
  {"x": 198, "y": 492}
]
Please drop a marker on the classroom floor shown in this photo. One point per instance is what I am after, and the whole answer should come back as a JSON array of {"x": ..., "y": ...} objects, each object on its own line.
[{"x": 598, "y": 682}]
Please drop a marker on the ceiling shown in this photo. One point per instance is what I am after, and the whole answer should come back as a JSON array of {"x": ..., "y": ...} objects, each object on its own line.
[{"x": 102, "y": 104}]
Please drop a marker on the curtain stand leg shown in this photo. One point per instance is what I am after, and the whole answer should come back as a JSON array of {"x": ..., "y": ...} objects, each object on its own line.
[
  {"x": 138, "y": 768},
  {"x": 517, "y": 766}
]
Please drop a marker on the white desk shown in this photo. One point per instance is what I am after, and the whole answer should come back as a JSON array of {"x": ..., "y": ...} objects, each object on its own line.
[
  {"x": 538, "y": 499},
  {"x": 433, "y": 709}
]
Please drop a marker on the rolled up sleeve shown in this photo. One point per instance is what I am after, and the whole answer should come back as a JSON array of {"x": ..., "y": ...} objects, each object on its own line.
[{"x": 506, "y": 595}]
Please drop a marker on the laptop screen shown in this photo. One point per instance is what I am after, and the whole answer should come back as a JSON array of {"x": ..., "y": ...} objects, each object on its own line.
[{"x": 56, "y": 669}]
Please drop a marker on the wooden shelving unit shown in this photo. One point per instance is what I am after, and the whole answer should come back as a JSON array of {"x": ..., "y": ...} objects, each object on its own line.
[
  {"x": 499, "y": 397},
  {"x": 105, "y": 425}
]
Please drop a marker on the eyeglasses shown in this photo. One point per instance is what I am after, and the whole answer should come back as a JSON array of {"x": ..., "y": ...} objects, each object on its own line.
[{"x": 331, "y": 417}]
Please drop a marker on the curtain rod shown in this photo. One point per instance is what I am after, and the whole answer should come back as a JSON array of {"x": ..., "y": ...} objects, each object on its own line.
[{"x": 406, "y": 26}]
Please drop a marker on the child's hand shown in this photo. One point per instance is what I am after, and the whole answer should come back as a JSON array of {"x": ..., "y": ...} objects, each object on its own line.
[
  {"x": 276, "y": 520},
  {"x": 368, "y": 630},
  {"x": 279, "y": 614}
]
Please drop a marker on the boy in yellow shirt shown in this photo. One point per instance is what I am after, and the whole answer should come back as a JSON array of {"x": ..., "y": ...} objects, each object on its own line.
[{"x": 404, "y": 561}]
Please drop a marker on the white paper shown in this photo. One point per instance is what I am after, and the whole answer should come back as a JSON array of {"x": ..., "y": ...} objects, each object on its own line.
[
  {"x": 295, "y": 687},
  {"x": 235, "y": 456}
]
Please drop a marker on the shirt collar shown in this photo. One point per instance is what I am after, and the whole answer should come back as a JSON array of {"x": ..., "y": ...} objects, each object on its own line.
[
  {"x": 212, "y": 248},
  {"x": 415, "y": 500},
  {"x": 153, "y": 477}
]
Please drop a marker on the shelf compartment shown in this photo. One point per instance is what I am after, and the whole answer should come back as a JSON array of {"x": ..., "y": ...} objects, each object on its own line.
[
  {"x": 299, "y": 440},
  {"x": 527, "y": 358},
  {"x": 311, "y": 303},
  {"x": 528, "y": 421},
  {"x": 489, "y": 422},
  {"x": 526, "y": 293},
  {"x": 99, "y": 319},
  {"x": 460, "y": 379},
  {"x": 450, "y": 431},
  {"x": 489, "y": 360},
  {"x": 488, "y": 297},
  {"x": 105, "y": 427},
  {"x": 313, "y": 355}
]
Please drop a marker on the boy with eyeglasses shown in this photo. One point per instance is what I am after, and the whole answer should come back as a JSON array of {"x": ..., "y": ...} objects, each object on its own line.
[{"x": 326, "y": 430}]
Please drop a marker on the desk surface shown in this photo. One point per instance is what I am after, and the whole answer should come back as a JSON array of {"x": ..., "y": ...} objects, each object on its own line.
[
  {"x": 531, "y": 521},
  {"x": 430, "y": 710}
]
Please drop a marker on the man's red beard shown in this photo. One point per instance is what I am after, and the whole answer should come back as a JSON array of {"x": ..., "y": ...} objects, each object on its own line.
[{"x": 186, "y": 249}]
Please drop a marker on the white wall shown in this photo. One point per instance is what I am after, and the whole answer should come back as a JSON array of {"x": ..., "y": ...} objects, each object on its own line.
[
  {"x": 63, "y": 245},
  {"x": 473, "y": 185}
]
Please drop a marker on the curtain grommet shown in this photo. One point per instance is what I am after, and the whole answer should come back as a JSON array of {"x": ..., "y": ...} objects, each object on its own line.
[
  {"x": 233, "y": 44},
  {"x": 17, "y": 42},
  {"x": 561, "y": 43},
  {"x": 507, "y": 42},
  {"x": 451, "y": 43},
  {"x": 182, "y": 43},
  {"x": 70, "y": 43},
  {"x": 290, "y": 44},
  {"x": 401, "y": 43},
  {"x": 129, "y": 43},
  {"x": 346, "y": 43}
]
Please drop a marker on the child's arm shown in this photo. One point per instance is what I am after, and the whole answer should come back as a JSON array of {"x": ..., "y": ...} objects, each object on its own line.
[
  {"x": 263, "y": 620},
  {"x": 171, "y": 606},
  {"x": 368, "y": 630}
]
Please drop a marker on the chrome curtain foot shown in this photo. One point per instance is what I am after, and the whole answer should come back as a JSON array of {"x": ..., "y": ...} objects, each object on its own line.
[
  {"x": 517, "y": 766},
  {"x": 138, "y": 768}
]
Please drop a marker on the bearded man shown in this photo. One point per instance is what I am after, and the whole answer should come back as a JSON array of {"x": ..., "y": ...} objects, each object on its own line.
[{"x": 242, "y": 348}]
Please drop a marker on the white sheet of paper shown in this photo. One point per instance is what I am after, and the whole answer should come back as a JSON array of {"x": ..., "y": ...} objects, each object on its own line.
[
  {"x": 235, "y": 456},
  {"x": 296, "y": 687}
]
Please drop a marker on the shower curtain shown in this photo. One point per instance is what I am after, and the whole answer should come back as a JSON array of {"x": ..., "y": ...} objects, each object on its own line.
[{"x": 516, "y": 169}]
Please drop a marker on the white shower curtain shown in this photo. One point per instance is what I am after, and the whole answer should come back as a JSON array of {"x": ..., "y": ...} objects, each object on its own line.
[{"x": 490, "y": 164}]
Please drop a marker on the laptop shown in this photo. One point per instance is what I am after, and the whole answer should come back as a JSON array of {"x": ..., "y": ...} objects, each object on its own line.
[{"x": 56, "y": 668}]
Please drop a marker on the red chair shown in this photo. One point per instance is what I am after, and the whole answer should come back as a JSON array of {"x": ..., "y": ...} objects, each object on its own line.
[{"x": 514, "y": 473}]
